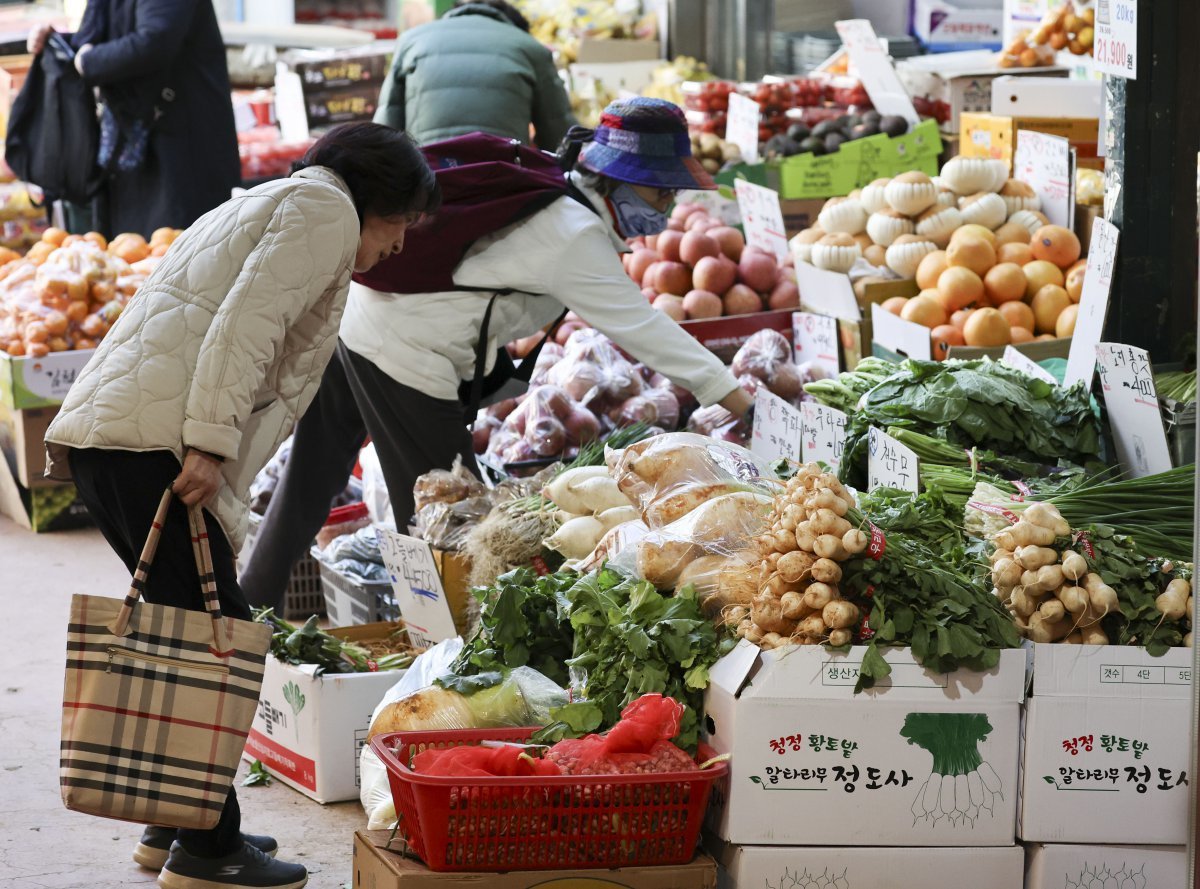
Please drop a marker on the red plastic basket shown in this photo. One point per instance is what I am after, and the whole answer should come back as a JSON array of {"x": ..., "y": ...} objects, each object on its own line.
[{"x": 540, "y": 823}]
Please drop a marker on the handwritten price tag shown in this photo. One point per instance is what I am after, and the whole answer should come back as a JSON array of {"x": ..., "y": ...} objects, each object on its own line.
[
  {"x": 824, "y": 434},
  {"x": 777, "y": 428},
  {"x": 1025, "y": 364},
  {"x": 875, "y": 70},
  {"x": 1045, "y": 163},
  {"x": 1093, "y": 304},
  {"x": 1127, "y": 379},
  {"x": 741, "y": 127},
  {"x": 891, "y": 464},
  {"x": 816, "y": 340},
  {"x": 418, "y": 588},
  {"x": 1116, "y": 37},
  {"x": 762, "y": 218}
]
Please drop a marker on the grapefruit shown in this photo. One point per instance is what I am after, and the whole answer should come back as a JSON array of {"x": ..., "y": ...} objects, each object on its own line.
[
  {"x": 959, "y": 318},
  {"x": 924, "y": 310},
  {"x": 1038, "y": 274},
  {"x": 959, "y": 287},
  {"x": 1048, "y": 303},
  {"x": 1018, "y": 314},
  {"x": 1022, "y": 335},
  {"x": 1004, "y": 283},
  {"x": 894, "y": 305},
  {"x": 1074, "y": 282},
  {"x": 930, "y": 268},
  {"x": 1014, "y": 252},
  {"x": 942, "y": 337},
  {"x": 987, "y": 328},
  {"x": 1011, "y": 233},
  {"x": 974, "y": 229},
  {"x": 971, "y": 252},
  {"x": 1055, "y": 244},
  {"x": 1065, "y": 325}
]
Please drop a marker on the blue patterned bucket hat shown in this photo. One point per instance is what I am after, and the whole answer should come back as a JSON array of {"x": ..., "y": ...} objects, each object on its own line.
[{"x": 645, "y": 142}]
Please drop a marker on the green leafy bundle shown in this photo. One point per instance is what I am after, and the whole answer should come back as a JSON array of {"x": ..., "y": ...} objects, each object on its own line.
[
  {"x": 928, "y": 516},
  {"x": 519, "y": 626},
  {"x": 844, "y": 391},
  {"x": 310, "y": 644},
  {"x": 976, "y": 404},
  {"x": 929, "y": 600},
  {"x": 632, "y": 640}
]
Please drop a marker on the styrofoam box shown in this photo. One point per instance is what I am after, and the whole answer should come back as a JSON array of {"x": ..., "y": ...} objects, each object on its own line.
[
  {"x": 801, "y": 867},
  {"x": 804, "y": 744},
  {"x": 1046, "y": 97},
  {"x": 1146, "y": 867},
  {"x": 309, "y": 730},
  {"x": 1107, "y": 746}
]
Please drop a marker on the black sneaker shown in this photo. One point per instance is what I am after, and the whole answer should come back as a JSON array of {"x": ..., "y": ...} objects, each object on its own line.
[
  {"x": 248, "y": 868},
  {"x": 155, "y": 846}
]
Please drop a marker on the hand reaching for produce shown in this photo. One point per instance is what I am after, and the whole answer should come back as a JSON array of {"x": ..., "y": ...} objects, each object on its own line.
[
  {"x": 738, "y": 402},
  {"x": 200, "y": 479},
  {"x": 37, "y": 39}
]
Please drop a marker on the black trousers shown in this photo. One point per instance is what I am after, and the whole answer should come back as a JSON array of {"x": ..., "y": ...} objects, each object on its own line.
[
  {"x": 122, "y": 490},
  {"x": 412, "y": 432}
]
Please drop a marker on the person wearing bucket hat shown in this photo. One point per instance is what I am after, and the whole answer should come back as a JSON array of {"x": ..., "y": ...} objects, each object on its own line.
[{"x": 404, "y": 357}]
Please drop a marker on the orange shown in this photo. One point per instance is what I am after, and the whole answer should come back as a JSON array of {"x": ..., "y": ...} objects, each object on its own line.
[
  {"x": 987, "y": 328},
  {"x": 1048, "y": 303},
  {"x": 971, "y": 252},
  {"x": 1055, "y": 244},
  {"x": 959, "y": 287},
  {"x": 1018, "y": 314},
  {"x": 1004, "y": 283}
]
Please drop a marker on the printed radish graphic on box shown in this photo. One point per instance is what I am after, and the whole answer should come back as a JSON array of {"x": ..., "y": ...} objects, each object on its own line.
[
  {"x": 1105, "y": 867},
  {"x": 922, "y": 759}
]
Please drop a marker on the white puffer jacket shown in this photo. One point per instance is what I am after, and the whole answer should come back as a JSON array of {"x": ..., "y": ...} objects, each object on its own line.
[
  {"x": 224, "y": 346},
  {"x": 562, "y": 256}
]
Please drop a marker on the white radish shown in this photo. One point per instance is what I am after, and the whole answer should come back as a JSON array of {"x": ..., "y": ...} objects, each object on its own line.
[
  {"x": 1074, "y": 566},
  {"x": 1046, "y": 515},
  {"x": 854, "y": 541},
  {"x": 1033, "y": 557}
]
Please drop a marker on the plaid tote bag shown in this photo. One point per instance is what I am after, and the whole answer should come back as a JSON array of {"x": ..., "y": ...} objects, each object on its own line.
[{"x": 158, "y": 700}]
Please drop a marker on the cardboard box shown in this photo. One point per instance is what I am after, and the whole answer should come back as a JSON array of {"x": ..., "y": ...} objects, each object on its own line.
[
  {"x": 602, "y": 51},
  {"x": 39, "y": 382},
  {"x": 455, "y": 571},
  {"x": 54, "y": 506},
  {"x": 326, "y": 108},
  {"x": 753, "y": 867},
  {"x": 376, "y": 866},
  {"x": 995, "y": 136},
  {"x": 309, "y": 730},
  {"x": 804, "y": 744},
  {"x": 1046, "y": 97},
  {"x": 959, "y": 82},
  {"x": 724, "y": 336},
  {"x": 800, "y": 214},
  {"x": 1053, "y": 867},
  {"x": 857, "y": 163},
  {"x": 1038, "y": 351},
  {"x": 962, "y": 25},
  {"x": 22, "y": 443},
  {"x": 1107, "y": 746},
  {"x": 329, "y": 69}
]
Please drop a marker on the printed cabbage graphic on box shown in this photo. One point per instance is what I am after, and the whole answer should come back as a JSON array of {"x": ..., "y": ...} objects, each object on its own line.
[
  {"x": 808, "y": 880},
  {"x": 1103, "y": 877}
]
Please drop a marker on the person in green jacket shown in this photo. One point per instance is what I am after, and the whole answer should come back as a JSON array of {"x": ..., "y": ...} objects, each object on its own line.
[{"x": 477, "y": 69}]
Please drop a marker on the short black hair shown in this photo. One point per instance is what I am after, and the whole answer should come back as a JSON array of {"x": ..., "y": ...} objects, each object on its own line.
[
  {"x": 509, "y": 11},
  {"x": 384, "y": 169}
]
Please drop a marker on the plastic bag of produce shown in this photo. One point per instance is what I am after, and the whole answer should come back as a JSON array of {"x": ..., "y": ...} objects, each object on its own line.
[
  {"x": 446, "y": 525},
  {"x": 716, "y": 422},
  {"x": 362, "y": 545},
  {"x": 617, "y": 540},
  {"x": 723, "y": 527},
  {"x": 670, "y": 475},
  {"x": 547, "y": 423},
  {"x": 640, "y": 742},
  {"x": 594, "y": 373},
  {"x": 447, "y": 486},
  {"x": 767, "y": 357}
]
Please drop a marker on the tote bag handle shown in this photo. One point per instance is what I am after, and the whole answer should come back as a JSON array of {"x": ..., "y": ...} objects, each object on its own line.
[{"x": 208, "y": 585}]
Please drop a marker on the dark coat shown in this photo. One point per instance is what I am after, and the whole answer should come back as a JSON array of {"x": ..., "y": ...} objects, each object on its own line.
[
  {"x": 141, "y": 48},
  {"x": 474, "y": 70}
]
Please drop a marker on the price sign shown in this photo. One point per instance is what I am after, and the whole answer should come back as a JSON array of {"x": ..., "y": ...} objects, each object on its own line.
[
  {"x": 1093, "y": 304},
  {"x": 777, "y": 428},
  {"x": 1046, "y": 163},
  {"x": 891, "y": 464},
  {"x": 762, "y": 218},
  {"x": 741, "y": 127},
  {"x": 824, "y": 434},
  {"x": 1127, "y": 380},
  {"x": 1115, "y": 43},
  {"x": 875, "y": 70},
  {"x": 1025, "y": 364},
  {"x": 418, "y": 588},
  {"x": 816, "y": 341}
]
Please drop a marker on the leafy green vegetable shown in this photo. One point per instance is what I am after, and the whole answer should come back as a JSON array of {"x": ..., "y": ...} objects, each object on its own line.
[
  {"x": 309, "y": 644},
  {"x": 519, "y": 626},
  {"x": 844, "y": 391},
  {"x": 258, "y": 776},
  {"x": 934, "y": 601},
  {"x": 928, "y": 517},
  {"x": 1178, "y": 385},
  {"x": 632, "y": 640},
  {"x": 976, "y": 403}
]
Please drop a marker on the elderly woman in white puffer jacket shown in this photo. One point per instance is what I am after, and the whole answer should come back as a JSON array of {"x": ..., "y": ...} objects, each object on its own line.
[{"x": 206, "y": 372}]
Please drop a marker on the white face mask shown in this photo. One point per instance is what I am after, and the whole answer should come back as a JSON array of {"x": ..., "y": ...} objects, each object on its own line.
[{"x": 636, "y": 217}]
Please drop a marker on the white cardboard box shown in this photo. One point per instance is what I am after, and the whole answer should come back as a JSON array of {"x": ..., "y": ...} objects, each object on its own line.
[
  {"x": 1107, "y": 746},
  {"x": 963, "y": 24},
  {"x": 773, "y": 710},
  {"x": 308, "y": 731},
  {"x": 808, "y": 867},
  {"x": 1068, "y": 867}
]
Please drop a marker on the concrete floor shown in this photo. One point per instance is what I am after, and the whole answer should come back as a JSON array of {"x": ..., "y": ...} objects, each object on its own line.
[{"x": 42, "y": 845}]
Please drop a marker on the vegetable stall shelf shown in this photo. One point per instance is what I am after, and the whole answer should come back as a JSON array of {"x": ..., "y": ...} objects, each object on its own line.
[{"x": 541, "y": 823}]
